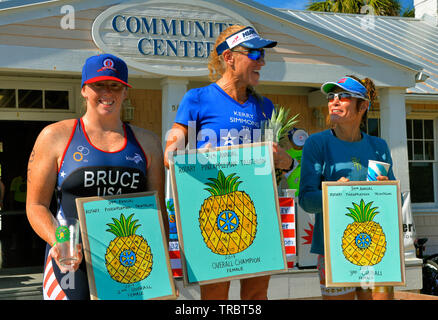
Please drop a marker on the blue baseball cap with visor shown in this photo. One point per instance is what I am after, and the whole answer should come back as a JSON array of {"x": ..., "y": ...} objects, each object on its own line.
[
  {"x": 247, "y": 38},
  {"x": 104, "y": 67},
  {"x": 348, "y": 85}
]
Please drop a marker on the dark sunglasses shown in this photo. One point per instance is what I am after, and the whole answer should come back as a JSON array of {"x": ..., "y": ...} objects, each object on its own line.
[
  {"x": 343, "y": 96},
  {"x": 253, "y": 54}
]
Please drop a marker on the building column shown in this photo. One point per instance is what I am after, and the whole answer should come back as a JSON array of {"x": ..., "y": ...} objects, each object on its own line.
[
  {"x": 393, "y": 130},
  {"x": 173, "y": 90}
]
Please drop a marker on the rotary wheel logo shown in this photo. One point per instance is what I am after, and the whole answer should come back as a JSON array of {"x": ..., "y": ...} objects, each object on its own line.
[
  {"x": 127, "y": 258},
  {"x": 228, "y": 221}
]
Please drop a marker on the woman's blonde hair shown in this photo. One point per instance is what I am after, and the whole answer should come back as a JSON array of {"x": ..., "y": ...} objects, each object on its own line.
[{"x": 216, "y": 65}]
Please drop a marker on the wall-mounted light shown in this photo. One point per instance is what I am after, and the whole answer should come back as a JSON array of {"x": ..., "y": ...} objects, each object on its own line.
[
  {"x": 421, "y": 77},
  {"x": 127, "y": 110}
]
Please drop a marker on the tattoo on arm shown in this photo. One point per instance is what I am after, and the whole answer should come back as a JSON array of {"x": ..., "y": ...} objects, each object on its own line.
[
  {"x": 31, "y": 159},
  {"x": 32, "y": 156}
]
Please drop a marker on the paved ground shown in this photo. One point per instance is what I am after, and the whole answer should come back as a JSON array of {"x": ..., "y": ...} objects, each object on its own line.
[
  {"x": 26, "y": 284},
  {"x": 21, "y": 283}
]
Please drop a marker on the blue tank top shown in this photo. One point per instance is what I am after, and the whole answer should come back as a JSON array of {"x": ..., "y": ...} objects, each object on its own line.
[{"x": 87, "y": 171}]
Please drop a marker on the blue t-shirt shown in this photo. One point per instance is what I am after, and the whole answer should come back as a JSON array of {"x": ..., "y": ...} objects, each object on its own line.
[
  {"x": 218, "y": 119},
  {"x": 327, "y": 158}
]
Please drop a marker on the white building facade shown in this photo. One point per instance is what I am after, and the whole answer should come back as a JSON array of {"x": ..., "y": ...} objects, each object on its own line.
[{"x": 166, "y": 46}]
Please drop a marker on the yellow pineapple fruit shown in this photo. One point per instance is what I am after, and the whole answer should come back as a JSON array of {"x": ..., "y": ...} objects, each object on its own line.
[
  {"x": 227, "y": 218},
  {"x": 363, "y": 242},
  {"x": 128, "y": 257}
]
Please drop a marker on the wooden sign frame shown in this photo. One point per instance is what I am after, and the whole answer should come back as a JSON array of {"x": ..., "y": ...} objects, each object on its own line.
[
  {"x": 363, "y": 254},
  {"x": 125, "y": 268},
  {"x": 213, "y": 250}
]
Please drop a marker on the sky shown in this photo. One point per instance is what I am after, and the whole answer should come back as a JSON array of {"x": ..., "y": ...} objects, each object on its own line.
[{"x": 301, "y": 4}]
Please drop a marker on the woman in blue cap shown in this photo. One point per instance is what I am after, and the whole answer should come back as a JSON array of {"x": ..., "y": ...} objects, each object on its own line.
[
  {"x": 340, "y": 153},
  {"x": 96, "y": 155},
  {"x": 226, "y": 112}
]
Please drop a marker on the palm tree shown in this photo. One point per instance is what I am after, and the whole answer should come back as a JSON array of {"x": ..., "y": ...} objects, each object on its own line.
[
  {"x": 380, "y": 7},
  {"x": 409, "y": 13}
]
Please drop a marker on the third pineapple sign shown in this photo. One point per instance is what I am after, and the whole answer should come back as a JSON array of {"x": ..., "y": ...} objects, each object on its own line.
[
  {"x": 362, "y": 234},
  {"x": 227, "y": 210}
]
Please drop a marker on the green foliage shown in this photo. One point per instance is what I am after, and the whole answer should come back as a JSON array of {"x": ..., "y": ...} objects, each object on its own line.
[
  {"x": 380, "y": 7},
  {"x": 280, "y": 123},
  {"x": 223, "y": 185},
  {"x": 362, "y": 213},
  {"x": 409, "y": 13},
  {"x": 123, "y": 227}
]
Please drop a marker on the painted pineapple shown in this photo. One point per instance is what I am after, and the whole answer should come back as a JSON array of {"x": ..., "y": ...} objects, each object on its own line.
[
  {"x": 128, "y": 257},
  {"x": 227, "y": 218},
  {"x": 363, "y": 243}
]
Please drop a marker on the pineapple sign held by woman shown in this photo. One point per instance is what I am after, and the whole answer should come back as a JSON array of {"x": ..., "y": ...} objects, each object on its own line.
[
  {"x": 126, "y": 247},
  {"x": 128, "y": 258},
  {"x": 227, "y": 218},
  {"x": 363, "y": 242},
  {"x": 341, "y": 154}
]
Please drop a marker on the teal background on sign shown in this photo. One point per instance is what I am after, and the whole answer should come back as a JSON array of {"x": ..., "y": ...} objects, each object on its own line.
[
  {"x": 257, "y": 182},
  {"x": 156, "y": 283},
  {"x": 388, "y": 269}
]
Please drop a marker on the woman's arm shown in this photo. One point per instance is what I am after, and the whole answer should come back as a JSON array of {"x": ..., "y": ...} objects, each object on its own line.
[
  {"x": 176, "y": 140},
  {"x": 41, "y": 179},
  {"x": 282, "y": 160},
  {"x": 310, "y": 196}
]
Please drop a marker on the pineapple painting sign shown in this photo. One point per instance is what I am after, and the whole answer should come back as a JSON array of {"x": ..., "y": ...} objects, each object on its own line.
[
  {"x": 363, "y": 234},
  {"x": 125, "y": 247},
  {"x": 227, "y": 210}
]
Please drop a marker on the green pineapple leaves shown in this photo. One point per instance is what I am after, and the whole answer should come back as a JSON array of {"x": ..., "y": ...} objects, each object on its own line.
[
  {"x": 222, "y": 185},
  {"x": 362, "y": 213},
  {"x": 123, "y": 227},
  {"x": 280, "y": 123}
]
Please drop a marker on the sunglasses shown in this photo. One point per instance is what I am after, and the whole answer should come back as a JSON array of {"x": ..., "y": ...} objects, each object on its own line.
[
  {"x": 253, "y": 54},
  {"x": 343, "y": 96}
]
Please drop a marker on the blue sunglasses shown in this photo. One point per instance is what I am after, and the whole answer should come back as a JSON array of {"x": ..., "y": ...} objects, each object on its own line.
[{"x": 253, "y": 54}]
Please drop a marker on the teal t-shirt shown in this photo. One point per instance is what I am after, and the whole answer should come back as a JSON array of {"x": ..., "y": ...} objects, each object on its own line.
[{"x": 327, "y": 158}]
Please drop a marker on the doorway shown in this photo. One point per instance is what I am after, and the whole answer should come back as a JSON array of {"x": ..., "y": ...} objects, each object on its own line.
[{"x": 20, "y": 246}]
